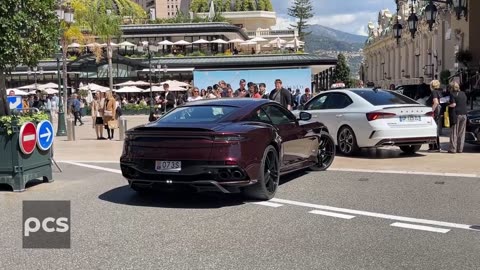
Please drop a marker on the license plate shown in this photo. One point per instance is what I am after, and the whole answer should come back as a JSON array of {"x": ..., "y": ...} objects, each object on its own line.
[
  {"x": 168, "y": 166},
  {"x": 410, "y": 118}
]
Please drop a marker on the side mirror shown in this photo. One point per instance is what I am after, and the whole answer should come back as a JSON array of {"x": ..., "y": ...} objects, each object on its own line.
[{"x": 304, "y": 116}]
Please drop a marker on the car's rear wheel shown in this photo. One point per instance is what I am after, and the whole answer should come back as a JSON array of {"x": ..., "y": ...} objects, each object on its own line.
[
  {"x": 326, "y": 152},
  {"x": 410, "y": 149},
  {"x": 268, "y": 177},
  {"x": 347, "y": 143}
]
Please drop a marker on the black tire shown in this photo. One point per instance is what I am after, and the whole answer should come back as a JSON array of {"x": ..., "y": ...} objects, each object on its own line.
[
  {"x": 347, "y": 142},
  {"x": 326, "y": 152},
  {"x": 268, "y": 177},
  {"x": 410, "y": 149}
]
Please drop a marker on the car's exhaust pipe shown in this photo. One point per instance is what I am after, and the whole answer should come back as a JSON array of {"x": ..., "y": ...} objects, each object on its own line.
[
  {"x": 237, "y": 174},
  {"x": 224, "y": 175}
]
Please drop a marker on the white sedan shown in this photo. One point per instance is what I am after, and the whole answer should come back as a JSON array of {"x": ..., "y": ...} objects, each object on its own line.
[{"x": 366, "y": 118}]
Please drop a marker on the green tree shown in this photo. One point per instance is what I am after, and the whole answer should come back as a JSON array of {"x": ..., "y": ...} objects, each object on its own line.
[
  {"x": 199, "y": 6},
  {"x": 28, "y": 33},
  {"x": 261, "y": 5},
  {"x": 268, "y": 5},
  {"x": 104, "y": 22},
  {"x": 302, "y": 11},
  {"x": 342, "y": 71},
  {"x": 249, "y": 5}
]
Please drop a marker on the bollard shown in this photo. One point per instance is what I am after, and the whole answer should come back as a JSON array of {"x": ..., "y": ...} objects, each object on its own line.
[
  {"x": 122, "y": 127},
  {"x": 70, "y": 130}
]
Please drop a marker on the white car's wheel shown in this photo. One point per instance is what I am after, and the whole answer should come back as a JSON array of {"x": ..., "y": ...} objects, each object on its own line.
[{"x": 347, "y": 142}]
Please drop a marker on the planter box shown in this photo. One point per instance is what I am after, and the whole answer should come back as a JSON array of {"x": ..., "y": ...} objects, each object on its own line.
[
  {"x": 16, "y": 168},
  {"x": 136, "y": 112}
]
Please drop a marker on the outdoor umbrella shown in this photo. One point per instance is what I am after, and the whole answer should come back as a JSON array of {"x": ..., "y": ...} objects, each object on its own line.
[
  {"x": 165, "y": 42},
  {"x": 182, "y": 42},
  {"x": 171, "y": 88},
  {"x": 17, "y": 92},
  {"x": 237, "y": 40},
  {"x": 50, "y": 91},
  {"x": 127, "y": 44},
  {"x": 129, "y": 89},
  {"x": 258, "y": 39},
  {"x": 48, "y": 85},
  {"x": 127, "y": 83},
  {"x": 29, "y": 87},
  {"x": 219, "y": 41},
  {"x": 175, "y": 83},
  {"x": 201, "y": 41}
]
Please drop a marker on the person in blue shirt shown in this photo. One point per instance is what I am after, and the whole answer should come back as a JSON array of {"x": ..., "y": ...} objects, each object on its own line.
[{"x": 76, "y": 110}]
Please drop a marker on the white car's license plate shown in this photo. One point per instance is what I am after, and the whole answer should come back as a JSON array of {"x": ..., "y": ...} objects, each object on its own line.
[
  {"x": 168, "y": 166},
  {"x": 410, "y": 118}
]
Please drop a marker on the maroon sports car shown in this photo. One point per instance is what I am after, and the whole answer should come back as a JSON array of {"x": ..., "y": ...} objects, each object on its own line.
[{"x": 227, "y": 145}]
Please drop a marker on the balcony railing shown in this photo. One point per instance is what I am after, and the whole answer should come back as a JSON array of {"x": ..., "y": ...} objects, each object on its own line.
[{"x": 273, "y": 33}]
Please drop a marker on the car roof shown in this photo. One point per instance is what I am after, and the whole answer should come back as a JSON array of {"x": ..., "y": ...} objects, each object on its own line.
[{"x": 236, "y": 102}]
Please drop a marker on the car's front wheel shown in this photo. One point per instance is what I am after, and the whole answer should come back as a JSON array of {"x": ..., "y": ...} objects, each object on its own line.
[
  {"x": 268, "y": 177},
  {"x": 326, "y": 152},
  {"x": 347, "y": 142},
  {"x": 410, "y": 149}
]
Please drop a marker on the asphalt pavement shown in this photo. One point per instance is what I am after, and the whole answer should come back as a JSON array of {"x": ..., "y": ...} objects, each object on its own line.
[{"x": 318, "y": 220}]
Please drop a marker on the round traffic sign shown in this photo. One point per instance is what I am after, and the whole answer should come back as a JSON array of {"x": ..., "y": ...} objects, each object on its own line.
[
  {"x": 28, "y": 138},
  {"x": 44, "y": 135}
]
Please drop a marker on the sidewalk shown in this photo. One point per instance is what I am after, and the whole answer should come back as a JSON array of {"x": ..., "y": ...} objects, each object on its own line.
[{"x": 87, "y": 148}]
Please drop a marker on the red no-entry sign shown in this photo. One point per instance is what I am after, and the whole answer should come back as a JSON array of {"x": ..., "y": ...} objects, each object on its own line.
[{"x": 28, "y": 138}]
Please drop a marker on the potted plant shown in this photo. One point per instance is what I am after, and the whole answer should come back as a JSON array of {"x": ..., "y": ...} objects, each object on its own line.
[{"x": 17, "y": 168}]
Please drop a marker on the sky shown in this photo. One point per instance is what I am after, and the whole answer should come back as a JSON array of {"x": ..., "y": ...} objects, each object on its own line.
[{"x": 351, "y": 16}]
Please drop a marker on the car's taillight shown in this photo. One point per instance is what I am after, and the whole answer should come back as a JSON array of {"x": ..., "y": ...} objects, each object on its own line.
[
  {"x": 430, "y": 114},
  {"x": 372, "y": 116},
  {"x": 231, "y": 162}
]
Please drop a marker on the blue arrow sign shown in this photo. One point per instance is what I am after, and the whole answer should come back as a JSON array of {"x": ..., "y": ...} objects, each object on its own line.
[
  {"x": 45, "y": 135},
  {"x": 15, "y": 102}
]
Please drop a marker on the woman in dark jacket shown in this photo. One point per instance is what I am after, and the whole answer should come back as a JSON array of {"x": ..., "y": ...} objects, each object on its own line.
[{"x": 458, "y": 119}]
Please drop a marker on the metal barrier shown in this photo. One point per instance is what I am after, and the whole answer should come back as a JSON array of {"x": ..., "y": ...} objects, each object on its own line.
[
  {"x": 70, "y": 130},
  {"x": 122, "y": 127}
]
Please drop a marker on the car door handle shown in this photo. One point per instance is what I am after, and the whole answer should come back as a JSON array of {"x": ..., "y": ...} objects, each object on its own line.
[{"x": 339, "y": 115}]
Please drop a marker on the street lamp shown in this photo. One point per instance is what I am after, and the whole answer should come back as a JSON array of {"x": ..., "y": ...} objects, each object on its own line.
[
  {"x": 65, "y": 15},
  {"x": 412, "y": 22},
  {"x": 164, "y": 69},
  {"x": 431, "y": 12},
  {"x": 460, "y": 6}
]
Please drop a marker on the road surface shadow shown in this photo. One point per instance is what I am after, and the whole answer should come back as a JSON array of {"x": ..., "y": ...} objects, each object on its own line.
[
  {"x": 183, "y": 199},
  {"x": 31, "y": 183},
  {"x": 382, "y": 153}
]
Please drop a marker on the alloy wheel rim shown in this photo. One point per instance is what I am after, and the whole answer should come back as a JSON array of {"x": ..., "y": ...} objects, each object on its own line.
[
  {"x": 346, "y": 141},
  {"x": 271, "y": 172},
  {"x": 325, "y": 151}
]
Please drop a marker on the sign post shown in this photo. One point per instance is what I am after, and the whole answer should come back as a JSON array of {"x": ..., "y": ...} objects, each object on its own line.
[{"x": 15, "y": 102}]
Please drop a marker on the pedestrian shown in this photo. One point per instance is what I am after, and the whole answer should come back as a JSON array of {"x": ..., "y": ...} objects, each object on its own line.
[
  {"x": 281, "y": 95},
  {"x": 109, "y": 114},
  {"x": 76, "y": 106},
  {"x": 305, "y": 97},
  {"x": 97, "y": 114},
  {"x": 434, "y": 102},
  {"x": 458, "y": 119}
]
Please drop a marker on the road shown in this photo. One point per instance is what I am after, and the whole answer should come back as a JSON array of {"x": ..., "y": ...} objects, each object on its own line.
[{"x": 318, "y": 220}]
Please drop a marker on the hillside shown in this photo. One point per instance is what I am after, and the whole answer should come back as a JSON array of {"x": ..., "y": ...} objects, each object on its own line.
[{"x": 326, "y": 41}]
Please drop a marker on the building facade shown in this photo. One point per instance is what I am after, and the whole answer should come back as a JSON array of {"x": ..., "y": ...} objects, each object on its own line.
[{"x": 425, "y": 55}]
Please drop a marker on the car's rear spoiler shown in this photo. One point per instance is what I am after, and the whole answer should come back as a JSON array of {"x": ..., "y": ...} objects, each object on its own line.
[{"x": 395, "y": 107}]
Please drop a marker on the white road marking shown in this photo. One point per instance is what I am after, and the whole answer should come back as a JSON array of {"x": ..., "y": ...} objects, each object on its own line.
[
  {"x": 270, "y": 204},
  {"x": 419, "y": 227},
  {"x": 406, "y": 172},
  {"x": 329, "y": 208},
  {"x": 28, "y": 138},
  {"x": 93, "y": 167},
  {"x": 331, "y": 214},
  {"x": 377, "y": 215}
]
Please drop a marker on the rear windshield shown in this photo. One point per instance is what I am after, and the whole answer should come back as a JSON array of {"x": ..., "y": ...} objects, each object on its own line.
[
  {"x": 197, "y": 114},
  {"x": 382, "y": 97}
]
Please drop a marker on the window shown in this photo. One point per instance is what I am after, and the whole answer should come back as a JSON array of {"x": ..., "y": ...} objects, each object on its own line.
[
  {"x": 317, "y": 103},
  {"x": 382, "y": 97},
  {"x": 279, "y": 116},
  {"x": 197, "y": 114},
  {"x": 337, "y": 101},
  {"x": 259, "y": 116}
]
